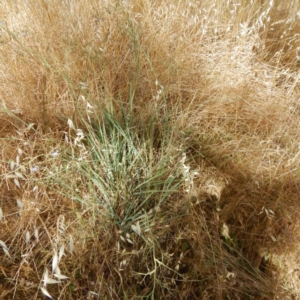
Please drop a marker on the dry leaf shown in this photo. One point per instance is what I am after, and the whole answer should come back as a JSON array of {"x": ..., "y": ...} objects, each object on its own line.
[
  {"x": 20, "y": 204},
  {"x": 136, "y": 228},
  {"x": 71, "y": 124},
  {"x": 30, "y": 126},
  {"x": 58, "y": 274},
  {"x": 46, "y": 293},
  {"x": 10, "y": 176},
  {"x": 54, "y": 261},
  {"x": 3, "y": 244},
  {"x": 123, "y": 263},
  {"x": 57, "y": 271},
  {"x": 17, "y": 183},
  {"x": 61, "y": 224},
  {"x": 71, "y": 244},
  {"x": 36, "y": 234},
  {"x": 5, "y": 249},
  {"x": 6, "y": 252},
  {"x": 48, "y": 280},
  {"x": 18, "y": 174},
  {"x": 61, "y": 252},
  {"x": 23, "y": 169},
  {"x": 27, "y": 238}
]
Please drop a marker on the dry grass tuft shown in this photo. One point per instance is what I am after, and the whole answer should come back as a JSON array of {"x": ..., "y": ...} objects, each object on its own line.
[{"x": 149, "y": 150}]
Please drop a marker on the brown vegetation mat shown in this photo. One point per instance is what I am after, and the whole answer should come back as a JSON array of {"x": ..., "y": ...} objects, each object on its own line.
[{"x": 149, "y": 150}]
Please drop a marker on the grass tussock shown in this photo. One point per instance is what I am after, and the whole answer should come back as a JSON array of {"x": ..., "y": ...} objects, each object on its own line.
[{"x": 149, "y": 150}]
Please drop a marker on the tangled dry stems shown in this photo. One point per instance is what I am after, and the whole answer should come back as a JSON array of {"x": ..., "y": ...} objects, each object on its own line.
[{"x": 217, "y": 80}]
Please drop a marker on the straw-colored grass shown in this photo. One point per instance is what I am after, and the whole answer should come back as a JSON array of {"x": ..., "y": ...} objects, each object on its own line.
[{"x": 149, "y": 149}]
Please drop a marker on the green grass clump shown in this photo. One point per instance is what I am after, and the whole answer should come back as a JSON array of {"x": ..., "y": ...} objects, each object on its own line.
[{"x": 130, "y": 173}]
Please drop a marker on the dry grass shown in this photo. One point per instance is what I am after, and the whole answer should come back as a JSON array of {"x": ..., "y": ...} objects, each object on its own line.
[{"x": 149, "y": 150}]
